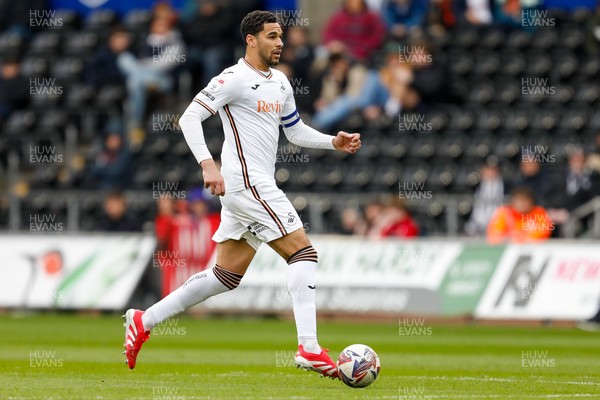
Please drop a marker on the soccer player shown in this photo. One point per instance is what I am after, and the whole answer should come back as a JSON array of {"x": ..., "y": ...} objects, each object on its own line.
[{"x": 252, "y": 100}]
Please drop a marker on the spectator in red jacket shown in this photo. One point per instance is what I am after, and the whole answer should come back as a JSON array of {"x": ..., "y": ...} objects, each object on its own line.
[
  {"x": 356, "y": 29},
  {"x": 394, "y": 220}
]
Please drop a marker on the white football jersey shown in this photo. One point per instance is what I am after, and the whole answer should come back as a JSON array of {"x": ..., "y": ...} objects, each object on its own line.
[{"x": 252, "y": 104}]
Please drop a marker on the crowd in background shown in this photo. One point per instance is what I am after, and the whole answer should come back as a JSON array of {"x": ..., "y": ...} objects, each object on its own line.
[{"x": 353, "y": 72}]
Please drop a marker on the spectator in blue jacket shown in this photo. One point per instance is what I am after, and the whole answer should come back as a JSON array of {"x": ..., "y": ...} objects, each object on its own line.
[
  {"x": 404, "y": 16},
  {"x": 113, "y": 165}
]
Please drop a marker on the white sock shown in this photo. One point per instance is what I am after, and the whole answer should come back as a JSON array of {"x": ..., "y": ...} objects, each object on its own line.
[
  {"x": 196, "y": 289},
  {"x": 301, "y": 277}
]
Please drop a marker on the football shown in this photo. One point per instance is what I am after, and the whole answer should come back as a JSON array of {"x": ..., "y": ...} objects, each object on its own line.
[{"x": 358, "y": 365}]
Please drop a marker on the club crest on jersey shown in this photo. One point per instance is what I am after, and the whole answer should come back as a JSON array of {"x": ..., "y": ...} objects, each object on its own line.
[
  {"x": 282, "y": 87},
  {"x": 263, "y": 106}
]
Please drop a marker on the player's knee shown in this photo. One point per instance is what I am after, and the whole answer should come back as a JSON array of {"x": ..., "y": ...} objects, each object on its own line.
[
  {"x": 307, "y": 253},
  {"x": 229, "y": 279}
]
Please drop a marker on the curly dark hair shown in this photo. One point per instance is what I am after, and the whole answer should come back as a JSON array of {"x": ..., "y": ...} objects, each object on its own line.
[{"x": 254, "y": 21}]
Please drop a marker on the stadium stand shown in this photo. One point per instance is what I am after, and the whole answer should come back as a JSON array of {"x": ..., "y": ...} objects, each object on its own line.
[{"x": 480, "y": 108}]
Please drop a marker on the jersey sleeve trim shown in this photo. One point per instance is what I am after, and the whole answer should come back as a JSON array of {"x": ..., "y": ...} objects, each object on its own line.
[{"x": 213, "y": 112}]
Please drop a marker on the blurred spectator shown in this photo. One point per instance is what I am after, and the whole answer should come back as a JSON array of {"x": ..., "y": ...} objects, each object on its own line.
[
  {"x": 296, "y": 62},
  {"x": 187, "y": 236},
  {"x": 405, "y": 83},
  {"x": 207, "y": 30},
  {"x": 298, "y": 52},
  {"x": 371, "y": 212},
  {"x": 404, "y": 16},
  {"x": 389, "y": 219},
  {"x": 113, "y": 165},
  {"x": 164, "y": 51},
  {"x": 14, "y": 88},
  {"x": 592, "y": 40},
  {"x": 163, "y": 10},
  {"x": 575, "y": 186},
  {"x": 532, "y": 177},
  {"x": 509, "y": 12},
  {"x": 593, "y": 160},
  {"x": 478, "y": 12},
  {"x": 355, "y": 29},
  {"x": 352, "y": 222},
  {"x": 441, "y": 16},
  {"x": 166, "y": 255},
  {"x": 489, "y": 195},
  {"x": 102, "y": 69},
  {"x": 115, "y": 218},
  {"x": 386, "y": 93},
  {"x": 375, "y": 5},
  {"x": 429, "y": 76},
  {"x": 521, "y": 221},
  {"x": 163, "y": 222},
  {"x": 341, "y": 91},
  {"x": 394, "y": 221}
]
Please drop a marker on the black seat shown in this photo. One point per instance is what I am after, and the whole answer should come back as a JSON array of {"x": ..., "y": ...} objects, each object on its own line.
[
  {"x": 423, "y": 145},
  {"x": 387, "y": 177},
  {"x": 518, "y": 39},
  {"x": 465, "y": 37},
  {"x": 565, "y": 64},
  {"x": 482, "y": 91},
  {"x": 590, "y": 68},
  {"x": 513, "y": 62},
  {"x": 34, "y": 66},
  {"x": 442, "y": 175},
  {"x": 487, "y": 62},
  {"x": 45, "y": 44},
  {"x": 11, "y": 44},
  {"x": 137, "y": 20},
  {"x": 587, "y": 92},
  {"x": 575, "y": 118},
  {"x": 519, "y": 119},
  {"x": 572, "y": 38},
  {"x": 480, "y": 145},
  {"x": 489, "y": 119},
  {"x": 69, "y": 18},
  {"x": 545, "y": 39},
  {"x": 546, "y": 118},
  {"x": 492, "y": 39},
  {"x": 81, "y": 43},
  {"x": 452, "y": 144},
  {"x": 110, "y": 96},
  {"x": 68, "y": 69},
  {"x": 20, "y": 122},
  {"x": 507, "y": 89},
  {"x": 461, "y": 119},
  {"x": 79, "y": 96},
  {"x": 460, "y": 62},
  {"x": 539, "y": 63},
  {"x": 52, "y": 120},
  {"x": 101, "y": 20}
]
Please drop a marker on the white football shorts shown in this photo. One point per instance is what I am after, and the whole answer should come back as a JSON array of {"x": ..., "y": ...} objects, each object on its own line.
[{"x": 259, "y": 214}]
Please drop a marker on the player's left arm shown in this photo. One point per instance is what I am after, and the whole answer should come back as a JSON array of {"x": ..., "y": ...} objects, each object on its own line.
[{"x": 303, "y": 135}]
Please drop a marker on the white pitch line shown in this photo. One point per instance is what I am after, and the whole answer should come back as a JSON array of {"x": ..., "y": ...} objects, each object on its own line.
[
  {"x": 492, "y": 379},
  {"x": 498, "y": 396}
]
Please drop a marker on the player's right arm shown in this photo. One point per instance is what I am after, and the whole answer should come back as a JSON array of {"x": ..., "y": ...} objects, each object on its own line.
[{"x": 221, "y": 90}]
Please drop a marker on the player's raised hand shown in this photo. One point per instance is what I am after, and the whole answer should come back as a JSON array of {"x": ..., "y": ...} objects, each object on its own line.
[
  {"x": 212, "y": 177},
  {"x": 348, "y": 142}
]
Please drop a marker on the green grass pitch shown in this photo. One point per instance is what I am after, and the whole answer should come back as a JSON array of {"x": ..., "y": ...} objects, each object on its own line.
[{"x": 67, "y": 356}]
